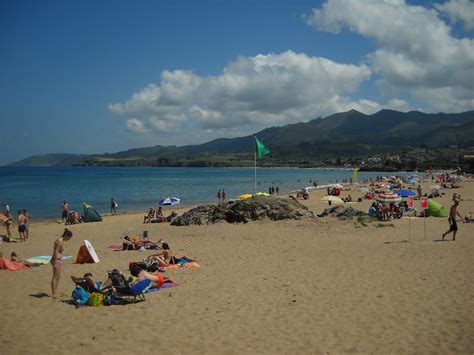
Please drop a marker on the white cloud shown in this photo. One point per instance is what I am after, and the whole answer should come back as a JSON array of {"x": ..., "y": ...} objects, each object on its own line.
[
  {"x": 399, "y": 105},
  {"x": 250, "y": 94},
  {"x": 416, "y": 52},
  {"x": 462, "y": 10},
  {"x": 136, "y": 126}
]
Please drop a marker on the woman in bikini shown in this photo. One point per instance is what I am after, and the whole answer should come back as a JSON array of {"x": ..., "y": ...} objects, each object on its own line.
[
  {"x": 157, "y": 280},
  {"x": 166, "y": 257},
  {"x": 57, "y": 258}
]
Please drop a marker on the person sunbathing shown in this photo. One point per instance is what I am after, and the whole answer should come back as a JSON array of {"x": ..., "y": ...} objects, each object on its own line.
[
  {"x": 166, "y": 257},
  {"x": 148, "y": 218},
  {"x": 159, "y": 216},
  {"x": 138, "y": 243},
  {"x": 14, "y": 258},
  {"x": 87, "y": 283},
  {"x": 157, "y": 280}
]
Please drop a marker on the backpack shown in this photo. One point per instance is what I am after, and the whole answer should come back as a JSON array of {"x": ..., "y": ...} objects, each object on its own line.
[
  {"x": 117, "y": 279},
  {"x": 80, "y": 296},
  {"x": 96, "y": 299}
]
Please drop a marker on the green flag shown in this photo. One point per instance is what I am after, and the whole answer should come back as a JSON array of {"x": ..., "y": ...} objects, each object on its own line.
[{"x": 260, "y": 148}]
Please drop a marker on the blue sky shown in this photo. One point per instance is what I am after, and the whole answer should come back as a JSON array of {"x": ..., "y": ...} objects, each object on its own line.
[{"x": 104, "y": 76}]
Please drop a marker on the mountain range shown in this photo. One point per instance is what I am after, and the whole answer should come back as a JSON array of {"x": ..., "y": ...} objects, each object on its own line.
[{"x": 342, "y": 134}]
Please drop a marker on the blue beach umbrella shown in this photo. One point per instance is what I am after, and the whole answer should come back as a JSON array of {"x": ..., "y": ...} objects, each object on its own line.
[
  {"x": 406, "y": 193},
  {"x": 170, "y": 201}
]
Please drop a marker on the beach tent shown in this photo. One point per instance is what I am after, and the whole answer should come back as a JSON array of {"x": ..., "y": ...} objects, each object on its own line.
[
  {"x": 262, "y": 194},
  {"x": 436, "y": 209},
  {"x": 244, "y": 196},
  {"x": 90, "y": 214},
  {"x": 87, "y": 254}
]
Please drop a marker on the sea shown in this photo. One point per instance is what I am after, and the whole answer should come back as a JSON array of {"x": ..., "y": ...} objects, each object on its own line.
[{"x": 41, "y": 190}]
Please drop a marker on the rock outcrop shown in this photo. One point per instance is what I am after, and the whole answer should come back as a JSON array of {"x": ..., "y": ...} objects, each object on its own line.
[
  {"x": 243, "y": 211},
  {"x": 342, "y": 212}
]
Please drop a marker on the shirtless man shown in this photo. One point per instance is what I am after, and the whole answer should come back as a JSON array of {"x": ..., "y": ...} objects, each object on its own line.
[
  {"x": 453, "y": 212},
  {"x": 64, "y": 211},
  {"x": 56, "y": 260},
  {"x": 22, "y": 220}
]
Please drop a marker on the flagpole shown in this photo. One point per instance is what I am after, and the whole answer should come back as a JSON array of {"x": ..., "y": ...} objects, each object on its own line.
[{"x": 255, "y": 165}]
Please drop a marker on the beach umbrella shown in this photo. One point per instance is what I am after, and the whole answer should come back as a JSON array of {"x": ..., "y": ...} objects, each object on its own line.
[
  {"x": 412, "y": 181},
  {"x": 337, "y": 186},
  {"x": 388, "y": 197},
  {"x": 364, "y": 190},
  {"x": 406, "y": 193},
  {"x": 169, "y": 201},
  {"x": 262, "y": 194},
  {"x": 244, "y": 196},
  {"x": 334, "y": 199}
]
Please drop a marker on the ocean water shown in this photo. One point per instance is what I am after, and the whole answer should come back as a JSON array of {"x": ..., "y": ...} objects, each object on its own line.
[{"x": 41, "y": 190}]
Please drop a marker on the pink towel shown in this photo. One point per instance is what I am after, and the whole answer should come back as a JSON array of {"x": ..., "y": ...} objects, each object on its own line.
[{"x": 12, "y": 265}]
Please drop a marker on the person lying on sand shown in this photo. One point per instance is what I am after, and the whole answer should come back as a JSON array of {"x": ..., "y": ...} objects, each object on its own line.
[
  {"x": 14, "y": 258},
  {"x": 157, "y": 280},
  {"x": 138, "y": 243},
  {"x": 166, "y": 257}
]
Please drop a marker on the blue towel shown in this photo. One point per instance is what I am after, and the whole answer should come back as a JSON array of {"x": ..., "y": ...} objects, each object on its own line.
[
  {"x": 183, "y": 261},
  {"x": 141, "y": 287}
]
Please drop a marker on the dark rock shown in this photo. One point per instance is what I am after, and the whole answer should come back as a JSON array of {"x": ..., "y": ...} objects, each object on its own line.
[
  {"x": 342, "y": 212},
  {"x": 243, "y": 211}
]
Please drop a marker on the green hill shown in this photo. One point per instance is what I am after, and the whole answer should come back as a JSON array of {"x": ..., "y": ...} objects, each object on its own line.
[{"x": 345, "y": 134}]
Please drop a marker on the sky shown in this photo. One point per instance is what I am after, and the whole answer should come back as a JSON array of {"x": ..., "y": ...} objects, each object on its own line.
[{"x": 95, "y": 76}]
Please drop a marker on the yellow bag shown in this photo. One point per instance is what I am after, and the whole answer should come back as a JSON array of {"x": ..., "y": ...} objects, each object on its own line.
[{"x": 96, "y": 299}]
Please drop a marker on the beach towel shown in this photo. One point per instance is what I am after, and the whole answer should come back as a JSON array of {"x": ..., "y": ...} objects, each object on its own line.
[
  {"x": 44, "y": 259},
  {"x": 140, "y": 287},
  {"x": 12, "y": 265},
  {"x": 166, "y": 285},
  {"x": 185, "y": 264}
]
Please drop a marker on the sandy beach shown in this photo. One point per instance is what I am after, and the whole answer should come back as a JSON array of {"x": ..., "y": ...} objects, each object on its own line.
[{"x": 311, "y": 286}]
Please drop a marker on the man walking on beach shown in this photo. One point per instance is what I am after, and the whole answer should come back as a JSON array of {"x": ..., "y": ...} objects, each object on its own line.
[
  {"x": 453, "y": 227},
  {"x": 219, "y": 196},
  {"x": 223, "y": 196}
]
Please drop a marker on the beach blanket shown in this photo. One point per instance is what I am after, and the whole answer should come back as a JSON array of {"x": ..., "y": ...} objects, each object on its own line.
[
  {"x": 12, "y": 265},
  {"x": 186, "y": 264},
  {"x": 166, "y": 285},
  {"x": 44, "y": 259}
]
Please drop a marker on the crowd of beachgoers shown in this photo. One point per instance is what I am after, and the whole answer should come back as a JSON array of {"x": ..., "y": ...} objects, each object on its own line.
[{"x": 392, "y": 198}]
